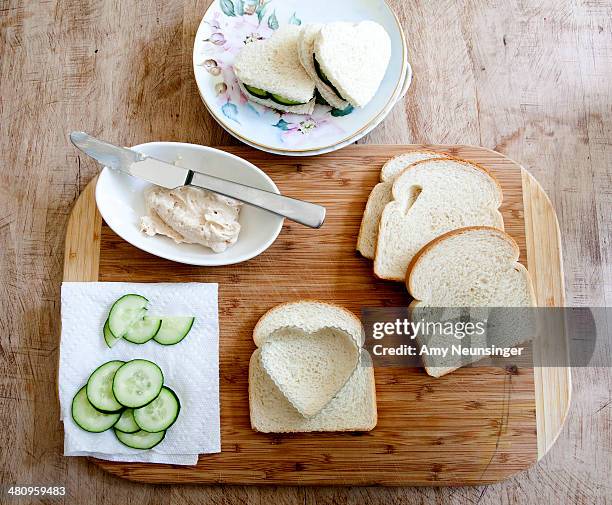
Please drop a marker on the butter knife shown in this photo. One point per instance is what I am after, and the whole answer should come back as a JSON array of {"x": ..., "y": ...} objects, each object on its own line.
[{"x": 170, "y": 176}]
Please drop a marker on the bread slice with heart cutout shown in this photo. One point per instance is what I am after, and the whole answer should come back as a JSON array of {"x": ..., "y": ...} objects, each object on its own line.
[
  {"x": 353, "y": 57},
  {"x": 430, "y": 198},
  {"x": 352, "y": 408},
  {"x": 310, "y": 368},
  {"x": 381, "y": 195},
  {"x": 470, "y": 267}
]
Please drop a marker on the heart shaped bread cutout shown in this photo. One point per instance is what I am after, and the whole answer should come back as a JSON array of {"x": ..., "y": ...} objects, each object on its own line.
[
  {"x": 354, "y": 57},
  {"x": 310, "y": 368}
]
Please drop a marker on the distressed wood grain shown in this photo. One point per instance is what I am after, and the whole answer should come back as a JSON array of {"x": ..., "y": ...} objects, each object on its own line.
[{"x": 532, "y": 80}]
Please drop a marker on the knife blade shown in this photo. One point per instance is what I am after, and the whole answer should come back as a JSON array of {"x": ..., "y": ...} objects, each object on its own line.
[{"x": 170, "y": 176}]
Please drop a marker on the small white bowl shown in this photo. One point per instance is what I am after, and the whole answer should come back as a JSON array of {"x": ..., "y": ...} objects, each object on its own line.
[{"x": 120, "y": 200}]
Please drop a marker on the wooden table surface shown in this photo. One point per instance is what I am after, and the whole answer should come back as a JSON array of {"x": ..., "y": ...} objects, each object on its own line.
[{"x": 532, "y": 80}]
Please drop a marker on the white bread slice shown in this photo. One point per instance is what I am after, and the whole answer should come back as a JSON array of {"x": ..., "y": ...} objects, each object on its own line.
[
  {"x": 432, "y": 197},
  {"x": 381, "y": 195},
  {"x": 306, "y": 52},
  {"x": 310, "y": 316},
  {"x": 469, "y": 267},
  {"x": 306, "y": 108},
  {"x": 310, "y": 368},
  {"x": 273, "y": 65},
  {"x": 352, "y": 409},
  {"x": 354, "y": 57}
]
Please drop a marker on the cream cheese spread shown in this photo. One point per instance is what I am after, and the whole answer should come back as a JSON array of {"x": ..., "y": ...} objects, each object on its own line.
[{"x": 192, "y": 216}]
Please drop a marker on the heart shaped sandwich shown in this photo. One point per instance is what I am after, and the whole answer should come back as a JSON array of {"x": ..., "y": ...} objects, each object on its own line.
[
  {"x": 269, "y": 73},
  {"x": 349, "y": 60}
]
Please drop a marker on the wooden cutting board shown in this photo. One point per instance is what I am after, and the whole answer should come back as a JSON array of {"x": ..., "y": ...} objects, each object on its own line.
[{"x": 474, "y": 426}]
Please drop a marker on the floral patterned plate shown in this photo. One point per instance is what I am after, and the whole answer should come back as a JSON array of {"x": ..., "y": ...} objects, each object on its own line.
[{"x": 229, "y": 24}]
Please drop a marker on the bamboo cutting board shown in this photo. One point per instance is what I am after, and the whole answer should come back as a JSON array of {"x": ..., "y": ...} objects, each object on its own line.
[{"x": 474, "y": 426}]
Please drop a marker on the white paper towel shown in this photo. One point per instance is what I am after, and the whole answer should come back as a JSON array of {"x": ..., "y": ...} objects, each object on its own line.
[{"x": 191, "y": 367}]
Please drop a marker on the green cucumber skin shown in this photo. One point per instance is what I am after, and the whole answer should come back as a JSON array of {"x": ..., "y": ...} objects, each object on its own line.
[
  {"x": 259, "y": 93},
  {"x": 105, "y": 411},
  {"x": 136, "y": 342},
  {"x": 178, "y": 411},
  {"x": 325, "y": 79},
  {"x": 269, "y": 96},
  {"x": 119, "y": 433},
  {"x": 135, "y": 426},
  {"x": 110, "y": 312},
  {"x": 83, "y": 391},
  {"x": 147, "y": 403},
  {"x": 109, "y": 338},
  {"x": 178, "y": 341}
]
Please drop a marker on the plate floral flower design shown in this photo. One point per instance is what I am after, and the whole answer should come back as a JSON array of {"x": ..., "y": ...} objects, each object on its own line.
[{"x": 227, "y": 27}]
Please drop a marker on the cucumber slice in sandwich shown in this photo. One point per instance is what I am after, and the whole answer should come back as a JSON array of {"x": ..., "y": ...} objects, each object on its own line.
[
  {"x": 141, "y": 439},
  {"x": 125, "y": 312},
  {"x": 109, "y": 338},
  {"x": 144, "y": 330},
  {"x": 263, "y": 94},
  {"x": 325, "y": 79},
  {"x": 87, "y": 417},
  {"x": 260, "y": 93},
  {"x": 160, "y": 414},
  {"x": 100, "y": 387},
  {"x": 173, "y": 330},
  {"x": 137, "y": 383},
  {"x": 126, "y": 422},
  {"x": 284, "y": 101}
]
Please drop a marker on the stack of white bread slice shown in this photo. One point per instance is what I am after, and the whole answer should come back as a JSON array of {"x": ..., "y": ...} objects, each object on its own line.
[
  {"x": 434, "y": 223},
  {"x": 309, "y": 371}
]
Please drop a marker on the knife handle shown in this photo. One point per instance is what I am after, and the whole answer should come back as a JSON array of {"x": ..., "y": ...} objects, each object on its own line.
[{"x": 306, "y": 213}]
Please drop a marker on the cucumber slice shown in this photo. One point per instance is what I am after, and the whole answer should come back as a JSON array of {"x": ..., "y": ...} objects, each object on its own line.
[
  {"x": 325, "y": 79},
  {"x": 173, "y": 330},
  {"x": 259, "y": 93},
  {"x": 100, "y": 387},
  {"x": 160, "y": 414},
  {"x": 126, "y": 422},
  {"x": 284, "y": 101},
  {"x": 125, "y": 312},
  {"x": 140, "y": 439},
  {"x": 137, "y": 382},
  {"x": 144, "y": 330},
  {"x": 87, "y": 417},
  {"x": 109, "y": 338}
]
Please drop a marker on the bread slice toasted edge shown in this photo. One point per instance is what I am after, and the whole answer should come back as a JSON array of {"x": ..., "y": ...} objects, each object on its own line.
[
  {"x": 412, "y": 166},
  {"x": 368, "y": 230},
  {"x": 306, "y": 54},
  {"x": 307, "y": 108},
  {"x": 441, "y": 371}
]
